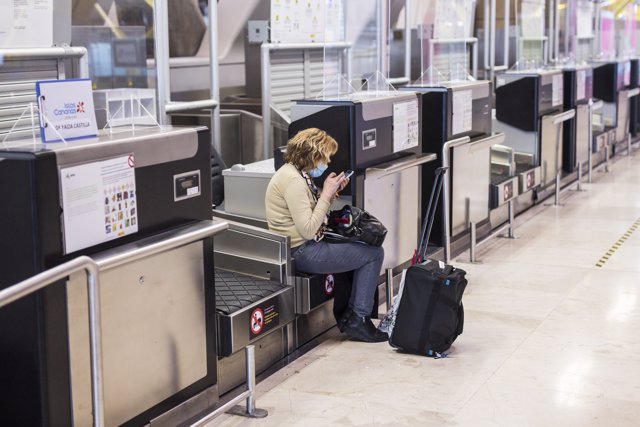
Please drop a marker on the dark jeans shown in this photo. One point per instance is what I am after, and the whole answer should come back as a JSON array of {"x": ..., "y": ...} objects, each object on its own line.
[{"x": 326, "y": 258}]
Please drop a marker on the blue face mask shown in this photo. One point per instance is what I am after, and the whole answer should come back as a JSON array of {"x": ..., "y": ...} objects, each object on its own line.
[{"x": 318, "y": 170}]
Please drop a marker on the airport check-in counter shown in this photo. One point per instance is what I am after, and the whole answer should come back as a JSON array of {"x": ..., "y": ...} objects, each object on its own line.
[
  {"x": 120, "y": 199},
  {"x": 249, "y": 248},
  {"x": 529, "y": 110},
  {"x": 611, "y": 80},
  {"x": 452, "y": 111},
  {"x": 379, "y": 139},
  {"x": 634, "y": 108},
  {"x": 254, "y": 300},
  {"x": 578, "y": 90}
]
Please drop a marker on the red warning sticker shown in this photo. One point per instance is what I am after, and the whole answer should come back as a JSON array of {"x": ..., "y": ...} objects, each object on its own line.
[
  {"x": 263, "y": 319},
  {"x": 257, "y": 321},
  {"x": 329, "y": 284}
]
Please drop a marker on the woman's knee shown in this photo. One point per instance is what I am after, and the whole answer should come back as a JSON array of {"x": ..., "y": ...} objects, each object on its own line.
[{"x": 375, "y": 253}]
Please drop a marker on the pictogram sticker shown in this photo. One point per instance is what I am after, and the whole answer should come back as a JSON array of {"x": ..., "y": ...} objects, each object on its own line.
[
  {"x": 329, "y": 284},
  {"x": 257, "y": 321}
]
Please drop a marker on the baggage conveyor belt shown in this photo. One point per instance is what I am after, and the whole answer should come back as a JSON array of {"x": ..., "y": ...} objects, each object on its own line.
[
  {"x": 248, "y": 308},
  {"x": 235, "y": 291}
]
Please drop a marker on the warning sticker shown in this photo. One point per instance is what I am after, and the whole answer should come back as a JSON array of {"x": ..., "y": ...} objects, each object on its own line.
[
  {"x": 263, "y": 319},
  {"x": 329, "y": 284},
  {"x": 257, "y": 321}
]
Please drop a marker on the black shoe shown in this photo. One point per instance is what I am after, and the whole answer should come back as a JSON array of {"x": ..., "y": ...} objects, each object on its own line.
[
  {"x": 361, "y": 329},
  {"x": 343, "y": 319}
]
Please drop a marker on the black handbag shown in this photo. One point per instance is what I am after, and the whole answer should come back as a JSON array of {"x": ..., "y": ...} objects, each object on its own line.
[{"x": 351, "y": 224}]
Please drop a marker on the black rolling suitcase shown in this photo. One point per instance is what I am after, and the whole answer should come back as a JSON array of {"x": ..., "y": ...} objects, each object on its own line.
[{"x": 430, "y": 314}]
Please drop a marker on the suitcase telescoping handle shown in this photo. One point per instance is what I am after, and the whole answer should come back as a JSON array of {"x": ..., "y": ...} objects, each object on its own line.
[{"x": 429, "y": 216}]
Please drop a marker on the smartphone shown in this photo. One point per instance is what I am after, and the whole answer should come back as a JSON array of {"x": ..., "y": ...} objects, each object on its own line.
[{"x": 348, "y": 174}]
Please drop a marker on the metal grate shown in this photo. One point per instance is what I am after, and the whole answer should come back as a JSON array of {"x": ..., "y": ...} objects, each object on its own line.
[
  {"x": 17, "y": 90},
  {"x": 499, "y": 179},
  {"x": 236, "y": 291},
  {"x": 299, "y": 74}
]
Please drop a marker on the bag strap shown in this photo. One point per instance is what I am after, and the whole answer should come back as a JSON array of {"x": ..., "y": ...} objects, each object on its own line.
[
  {"x": 426, "y": 324},
  {"x": 460, "y": 324},
  {"x": 319, "y": 235}
]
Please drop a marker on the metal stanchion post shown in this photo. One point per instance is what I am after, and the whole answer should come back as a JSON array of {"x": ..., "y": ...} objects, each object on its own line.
[
  {"x": 579, "y": 186},
  {"x": 558, "y": 121},
  {"x": 250, "y": 411},
  {"x": 389, "y": 288},
  {"x": 251, "y": 378},
  {"x": 628, "y": 144},
  {"x": 606, "y": 158},
  {"x": 511, "y": 209},
  {"x": 472, "y": 243},
  {"x": 590, "y": 137},
  {"x": 557, "y": 195},
  {"x": 473, "y": 240},
  {"x": 250, "y": 361}
]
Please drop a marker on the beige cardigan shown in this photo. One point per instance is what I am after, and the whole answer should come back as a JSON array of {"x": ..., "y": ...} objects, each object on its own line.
[{"x": 291, "y": 208}]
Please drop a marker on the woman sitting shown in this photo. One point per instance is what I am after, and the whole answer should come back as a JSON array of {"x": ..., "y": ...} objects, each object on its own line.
[{"x": 296, "y": 208}]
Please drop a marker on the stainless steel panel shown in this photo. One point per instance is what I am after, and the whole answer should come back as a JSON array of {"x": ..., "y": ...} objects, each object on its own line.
[
  {"x": 231, "y": 150},
  {"x": 186, "y": 410},
  {"x": 150, "y": 146},
  {"x": 550, "y": 147},
  {"x": 600, "y": 141},
  {"x": 395, "y": 200},
  {"x": 505, "y": 191},
  {"x": 528, "y": 180},
  {"x": 252, "y": 267},
  {"x": 471, "y": 176},
  {"x": 241, "y": 134},
  {"x": 268, "y": 350},
  {"x": 609, "y": 112},
  {"x": 519, "y": 140},
  {"x": 311, "y": 292},
  {"x": 153, "y": 333},
  {"x": 246, "y": 244},
  {"x": 374, "y": 108},
  {"x": 622, "y": 128},
  {"x": 302, "y": 295},
  {"x": 582, "y": 133},
  {"x": 314, "y": 323},
  {"x": 234, "y": 328}
]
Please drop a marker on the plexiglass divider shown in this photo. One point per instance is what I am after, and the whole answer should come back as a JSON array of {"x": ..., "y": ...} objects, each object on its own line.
[
  {"x": 532, "y": 42},
  {"x": 364, "y": 25},
  {"x": 585, "y": 14},
  {"x": 626, "y": 33},
  {"x": 606, "y": 46},
  {"x": 31, "y": 112},
  {"x": 448, "y": 50}
]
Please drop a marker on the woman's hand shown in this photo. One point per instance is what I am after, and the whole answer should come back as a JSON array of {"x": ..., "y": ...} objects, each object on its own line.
[{"x": 332, "y": 184}]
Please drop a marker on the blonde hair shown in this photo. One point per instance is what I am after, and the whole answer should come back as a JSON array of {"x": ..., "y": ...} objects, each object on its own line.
[{"x": 310, "y": 147}]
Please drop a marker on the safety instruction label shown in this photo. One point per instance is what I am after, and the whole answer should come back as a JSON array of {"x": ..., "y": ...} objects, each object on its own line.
[
  {"x": 556, "y": 90},
  {"x": 406, "y": 125},
  {"x": 26, "y": 23},
  {"x": 99, "y": 202},
  {"x": 581, "y": 77},
  {"x": 306, "y": 21},
  {"x": 462, "y": 111},
  {"x": 263, "y": 319}
]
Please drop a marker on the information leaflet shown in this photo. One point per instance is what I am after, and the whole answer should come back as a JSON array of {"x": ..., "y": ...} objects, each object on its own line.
[
  {"x": 98, "y": 202},
  {"x": 26, "y": 23}
]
